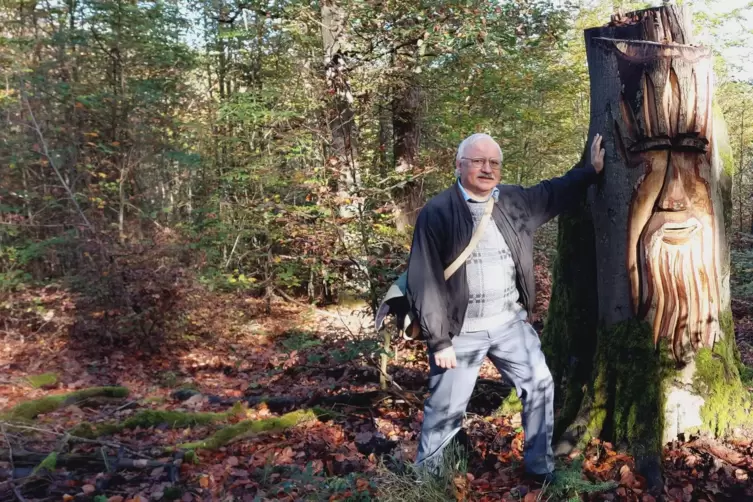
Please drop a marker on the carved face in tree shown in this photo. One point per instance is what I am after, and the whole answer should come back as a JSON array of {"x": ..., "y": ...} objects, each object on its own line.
[{"x": 672, "y": 258}]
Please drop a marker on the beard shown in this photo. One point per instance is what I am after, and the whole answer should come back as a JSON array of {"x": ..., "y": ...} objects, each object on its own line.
[{"x": 679, "y": 289}]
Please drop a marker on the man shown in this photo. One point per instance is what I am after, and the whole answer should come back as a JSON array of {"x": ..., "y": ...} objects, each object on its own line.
[{"x": 483, "y": 308}]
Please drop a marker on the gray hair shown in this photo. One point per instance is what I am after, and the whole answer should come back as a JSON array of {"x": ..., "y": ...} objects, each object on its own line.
[
  {"x": 474, "y": 138},
  {"x": 470, "y": 140}
]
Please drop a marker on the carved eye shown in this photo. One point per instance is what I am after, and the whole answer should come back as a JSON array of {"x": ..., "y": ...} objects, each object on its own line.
[{"x": 682, "y": 143}]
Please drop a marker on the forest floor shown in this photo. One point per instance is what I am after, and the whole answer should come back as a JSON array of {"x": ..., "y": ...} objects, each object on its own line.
[{"x": 226, "y": 364}]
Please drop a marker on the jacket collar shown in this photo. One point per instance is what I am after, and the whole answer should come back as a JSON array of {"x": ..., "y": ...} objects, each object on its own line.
[{"x": 467, "y": 197}]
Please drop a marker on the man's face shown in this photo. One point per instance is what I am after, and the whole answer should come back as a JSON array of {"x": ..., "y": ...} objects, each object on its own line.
[
  {"x": 480, "y": 167},
  {"x": 672, "y": 259}
]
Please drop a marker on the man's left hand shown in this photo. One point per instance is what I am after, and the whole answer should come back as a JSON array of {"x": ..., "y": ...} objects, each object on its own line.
[{"x": 597, "y": 153}]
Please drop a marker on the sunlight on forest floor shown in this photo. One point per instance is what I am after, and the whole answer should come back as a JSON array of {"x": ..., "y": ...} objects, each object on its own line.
[{"x": 224, "y": 350}]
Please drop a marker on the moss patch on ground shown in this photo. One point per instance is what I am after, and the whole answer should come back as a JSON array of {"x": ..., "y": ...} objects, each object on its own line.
[
  {"x": 43, "y": 380},
  {"x": 29, "y": 410},
  {"x": 276, "y": 424}
]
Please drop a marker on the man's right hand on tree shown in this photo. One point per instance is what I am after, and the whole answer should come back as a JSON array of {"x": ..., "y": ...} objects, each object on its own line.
[{"x": 445, "y": 358}]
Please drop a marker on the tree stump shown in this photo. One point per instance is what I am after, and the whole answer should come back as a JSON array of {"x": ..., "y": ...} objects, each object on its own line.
[{"x": 639, "y": 334}]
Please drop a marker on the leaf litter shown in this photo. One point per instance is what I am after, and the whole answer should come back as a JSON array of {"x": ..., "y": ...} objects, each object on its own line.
[{"x": 229, "y": 351}]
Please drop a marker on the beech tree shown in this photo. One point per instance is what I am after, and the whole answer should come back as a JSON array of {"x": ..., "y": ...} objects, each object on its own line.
[{"x": 639, "y": 331}]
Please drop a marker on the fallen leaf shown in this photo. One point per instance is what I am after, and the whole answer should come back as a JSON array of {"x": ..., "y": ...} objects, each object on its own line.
[
  {"x": 460, "y": 485},
  {"x": 88, "y": 489},
  {"x": 67, "y": 498},
  {"x": 204, "y": 481},
  {"x": 158, "y": 472},
  {"x": 364, "y": 437},
  {"x": 627, "y": 478},
  {"x": 232, "y": 461},
  {"x": 115, "y": 498},
  {"x": 532, "y": 496},
  {"x": 195, "y": 402},
  {"x": 285, "y": 457}
]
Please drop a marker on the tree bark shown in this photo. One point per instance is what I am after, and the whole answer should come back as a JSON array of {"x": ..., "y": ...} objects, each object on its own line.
[
  {"x": 639, "y": 333},
  {"x": 340, "y": 117},
  {"x": 406, "y": 126}
]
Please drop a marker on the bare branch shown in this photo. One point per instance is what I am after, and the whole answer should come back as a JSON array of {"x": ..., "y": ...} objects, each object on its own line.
[{"x": 46, "y": 153}]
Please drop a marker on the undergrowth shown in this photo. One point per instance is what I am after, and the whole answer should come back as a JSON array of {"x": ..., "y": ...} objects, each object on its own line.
[
  {"x": 569, "y": 484},
  {"x": 415, "y": 484}
]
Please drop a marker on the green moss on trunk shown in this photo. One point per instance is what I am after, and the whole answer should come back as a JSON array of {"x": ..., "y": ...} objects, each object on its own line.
[
  {"x": 727, "y": 403},
  {"x": 226, "y": 434},
  {"x": 639, "y": 376},
  {"x": 625, "y": 402},
  {"x": 569, "y": 335},
  {"x": 29, "y": 410}
]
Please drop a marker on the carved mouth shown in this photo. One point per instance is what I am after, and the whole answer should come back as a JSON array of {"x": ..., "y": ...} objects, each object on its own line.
[{"x": 679, "y": 232}]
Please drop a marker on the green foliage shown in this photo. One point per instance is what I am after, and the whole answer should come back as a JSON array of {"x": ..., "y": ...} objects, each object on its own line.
[
  {"x": 311, "y": 485},
  {"x": 355, "y": 349},
  {"x": 741, "y": 281},
  {"x": 14, "y": 280},
  {"x": 415, "y": 484},
  {"x": 48, "y": 464},
  {"x": 510, "y": 405},
  {"x": 570, "y": 484},
  {"x": 300, "y": 340}
]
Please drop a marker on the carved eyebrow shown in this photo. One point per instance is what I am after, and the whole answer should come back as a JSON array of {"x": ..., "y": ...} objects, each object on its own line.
[{"x": 684, "y": 143}]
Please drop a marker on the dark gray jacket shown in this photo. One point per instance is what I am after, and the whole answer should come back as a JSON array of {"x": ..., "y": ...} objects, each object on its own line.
[{"x": 444, "y": 229}]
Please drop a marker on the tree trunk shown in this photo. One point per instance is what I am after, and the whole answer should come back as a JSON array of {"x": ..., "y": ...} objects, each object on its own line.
[
  {"x": 406, "y": 121},
  {"x": 340, "y": 117},
  {"x": 639, "y": 333}
]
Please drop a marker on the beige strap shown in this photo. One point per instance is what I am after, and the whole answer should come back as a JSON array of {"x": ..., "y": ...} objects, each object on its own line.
[{"x": 454, "y": 266}]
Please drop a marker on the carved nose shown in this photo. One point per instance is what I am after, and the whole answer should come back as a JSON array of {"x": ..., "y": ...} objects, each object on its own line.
[{"x": 673, "y": 196}]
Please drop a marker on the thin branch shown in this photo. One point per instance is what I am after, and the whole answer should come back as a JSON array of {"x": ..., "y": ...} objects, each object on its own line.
[
  {"x": 35, "y": 225},
  {"x": 16, "y": 491},
  {"x": 232, "y": 251},
  {"x": 76, "y": 438},
  {"x": 46, "y": 153}
]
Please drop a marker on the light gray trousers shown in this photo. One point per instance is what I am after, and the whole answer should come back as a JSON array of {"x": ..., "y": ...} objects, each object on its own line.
[{"x": 515, "y": 350}]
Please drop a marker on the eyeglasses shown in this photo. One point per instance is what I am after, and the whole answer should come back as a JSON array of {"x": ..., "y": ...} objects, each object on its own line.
[{"x": 478, "y": 163}]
